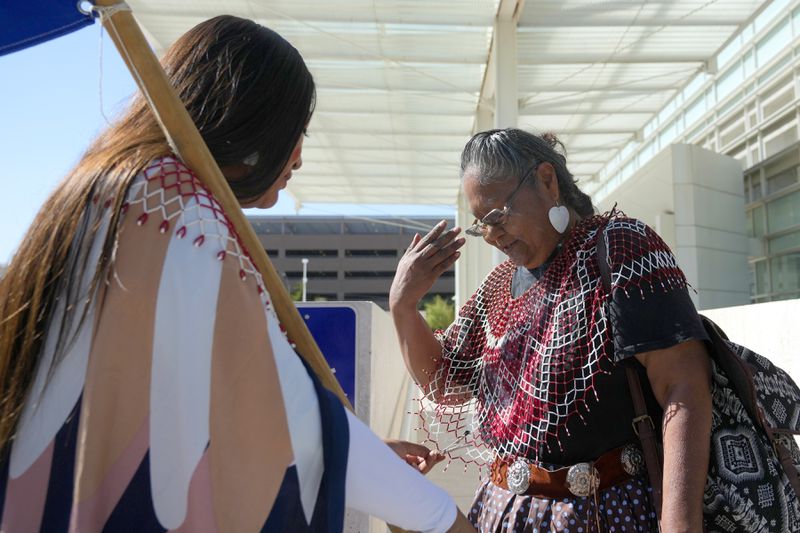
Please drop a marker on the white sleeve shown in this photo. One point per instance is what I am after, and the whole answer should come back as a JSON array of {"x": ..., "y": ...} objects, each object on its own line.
[{"x": 412, "y": 503}]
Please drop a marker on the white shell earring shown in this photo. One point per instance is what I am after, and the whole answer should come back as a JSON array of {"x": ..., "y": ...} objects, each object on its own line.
[{"x": 559, "y": 217}]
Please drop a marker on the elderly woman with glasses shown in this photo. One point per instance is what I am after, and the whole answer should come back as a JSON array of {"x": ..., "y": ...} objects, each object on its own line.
[{"x": 532, "y": 376}]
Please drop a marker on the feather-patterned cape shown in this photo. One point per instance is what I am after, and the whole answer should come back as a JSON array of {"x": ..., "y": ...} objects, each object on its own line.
[{"x": 179, "y": 403}]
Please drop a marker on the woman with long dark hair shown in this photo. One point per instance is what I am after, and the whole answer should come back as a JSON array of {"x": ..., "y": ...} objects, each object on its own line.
[{"x": 146, "y": 381}]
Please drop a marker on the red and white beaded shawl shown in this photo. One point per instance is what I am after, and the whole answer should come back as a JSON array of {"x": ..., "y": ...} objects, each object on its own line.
[{"x": 515, "y": 370}]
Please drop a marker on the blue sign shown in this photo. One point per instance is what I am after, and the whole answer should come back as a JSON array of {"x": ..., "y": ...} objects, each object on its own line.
[{"x": 334, "y": 330}]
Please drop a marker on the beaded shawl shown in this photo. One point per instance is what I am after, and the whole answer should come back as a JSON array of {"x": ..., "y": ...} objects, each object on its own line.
[{"x": 514, "y": 370}]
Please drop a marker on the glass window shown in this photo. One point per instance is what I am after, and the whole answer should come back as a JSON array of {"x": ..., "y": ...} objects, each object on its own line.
[
  {"x": 320, "y": 227},
  {"x": 694, "y": 86},
  {"x": 668, "y": 134},
  {"x": 731, "y": 130},
  {"x": 755, "y": 189},
  {"x": 370, "y": 253},
  {"x": 312, "y": 253},
  {"x": 628, "y": 149},
  {"x": 695, "y": 110},
  {"x": 759, "y": 228},
  {"x": 762, "y": 277},
  {"x": 776, "y": 69},
  {"x": 779, "y": 99},
  {"x": 783, "y": 212},
  {"x": 262, "y": 226},
  {"x": 313, "y": 274},
  {"x": 749, "y": 63},
  {"x": 367, "y": 274},
  {"x": 650, "y": 127},
  {"x": 647, "y": 152},
  {"x": 730, "y": 104},
  {"x": 729, "y": 81},
  {"x": 359, "y": 227},
  {"x": 785, "y": 272},
  {"x": 629, "y": 168},
  {"x": 785, "y": 296},
  {"x": 784, "y": 243},
  {"x": 748, "y": 217},
  {"x": 790, "y": 159},
  {"x": 772, "y": 10},
  {"x": 779, "y": 138},
  {"x": 730, "y": 51},
  {"x": 774, "y": 42},
  {"x": 781, "y": 180}
]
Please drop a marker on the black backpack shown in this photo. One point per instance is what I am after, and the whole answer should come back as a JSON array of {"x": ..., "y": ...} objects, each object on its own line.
[{"x": 753, "y": 471}]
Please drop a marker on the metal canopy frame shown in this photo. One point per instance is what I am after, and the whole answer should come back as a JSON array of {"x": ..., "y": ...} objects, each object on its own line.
[{"x": 403, "y": 83}]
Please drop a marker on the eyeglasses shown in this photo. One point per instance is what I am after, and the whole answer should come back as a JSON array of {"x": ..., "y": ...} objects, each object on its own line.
[{"x": 495, "y": 217}]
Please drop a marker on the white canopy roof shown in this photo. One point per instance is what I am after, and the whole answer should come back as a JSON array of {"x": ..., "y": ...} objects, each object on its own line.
[{"x": 399, "y": 81}]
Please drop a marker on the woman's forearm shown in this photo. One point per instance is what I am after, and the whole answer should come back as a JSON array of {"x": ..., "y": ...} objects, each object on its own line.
[
  {"x": 680, "y": 378},
  {"x": 687, "y": 434},
  {"x": 421, "y": 351},
  {"x": 421, "y": 265}
]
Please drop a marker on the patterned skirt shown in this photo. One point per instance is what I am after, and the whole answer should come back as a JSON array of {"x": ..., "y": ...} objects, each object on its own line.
[{"x": 626, "y": 507}]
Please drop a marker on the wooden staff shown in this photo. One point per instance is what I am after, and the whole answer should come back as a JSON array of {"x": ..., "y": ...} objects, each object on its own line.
[{"x": 185, "y": 139}]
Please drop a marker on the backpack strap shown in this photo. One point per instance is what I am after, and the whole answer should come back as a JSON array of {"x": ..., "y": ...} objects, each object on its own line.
[{"x": 643, "y": 425}]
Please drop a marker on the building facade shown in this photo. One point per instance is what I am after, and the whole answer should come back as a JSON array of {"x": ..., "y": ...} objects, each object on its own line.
[
  {"x": 746, "y": 106},
  {"x": 348, "y": 258}
]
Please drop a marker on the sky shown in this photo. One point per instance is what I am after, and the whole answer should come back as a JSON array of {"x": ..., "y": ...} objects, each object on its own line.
[{"x": 54, "y": 98}]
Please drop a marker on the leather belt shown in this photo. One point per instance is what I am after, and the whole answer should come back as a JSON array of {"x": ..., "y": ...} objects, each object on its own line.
[{"x": 611, "y": 468}]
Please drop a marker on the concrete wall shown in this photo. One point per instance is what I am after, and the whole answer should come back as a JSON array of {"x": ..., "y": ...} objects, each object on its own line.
[
  {"x": 694, "y": 199},
  {"x": 770, "y": 329}
]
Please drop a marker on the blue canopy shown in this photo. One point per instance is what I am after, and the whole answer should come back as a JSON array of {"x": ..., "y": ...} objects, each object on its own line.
[{"x": 24, "y": 23}]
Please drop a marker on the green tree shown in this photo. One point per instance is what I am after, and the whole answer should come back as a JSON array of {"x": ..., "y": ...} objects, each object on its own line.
[
  {"x": 296, "y": 292},
  {"x": 439, "y": 312}
]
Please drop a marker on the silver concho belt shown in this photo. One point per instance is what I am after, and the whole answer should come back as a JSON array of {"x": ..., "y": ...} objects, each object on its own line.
[{"x": 581, "y": 479}]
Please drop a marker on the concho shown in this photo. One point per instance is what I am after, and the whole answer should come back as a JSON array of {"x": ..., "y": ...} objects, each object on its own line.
[
  {"x": 632, "y": 460},
  {"x": 582, "y": 479},
  {"x": 519, "y": 476}
]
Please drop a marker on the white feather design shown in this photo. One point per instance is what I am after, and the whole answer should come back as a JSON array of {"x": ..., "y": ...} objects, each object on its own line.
[
  {"x": 53, "y": 397},
  {"x": 302, "y": 414},
  {"x": 181, "y": 370}
]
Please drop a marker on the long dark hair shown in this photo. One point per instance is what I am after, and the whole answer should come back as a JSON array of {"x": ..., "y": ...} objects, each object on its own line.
[
  {"x": 252, "y": 94},
  {"x": 249, "y": 92},
  {"x": 498, "y": 155}
]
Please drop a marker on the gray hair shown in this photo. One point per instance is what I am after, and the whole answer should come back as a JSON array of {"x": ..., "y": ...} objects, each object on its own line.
[{"x": 497, "y": 155}]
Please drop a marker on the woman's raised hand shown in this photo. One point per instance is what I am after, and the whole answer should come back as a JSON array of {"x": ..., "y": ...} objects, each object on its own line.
[{"x": 424, "y": 261}]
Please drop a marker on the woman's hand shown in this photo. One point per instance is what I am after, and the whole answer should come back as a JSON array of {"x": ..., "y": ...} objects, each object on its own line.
[
  {"x": 417, "y": 455},
  {"x": 424, "y": 261}
]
